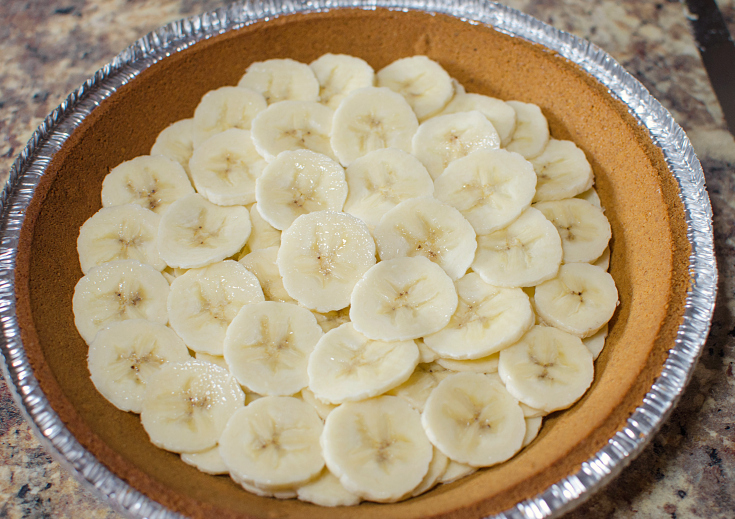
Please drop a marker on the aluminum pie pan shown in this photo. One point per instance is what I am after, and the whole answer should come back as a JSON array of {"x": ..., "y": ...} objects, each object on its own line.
[{"x": 679, "y": 154}]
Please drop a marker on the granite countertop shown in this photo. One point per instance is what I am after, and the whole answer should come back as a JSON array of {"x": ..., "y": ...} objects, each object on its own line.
[{"x": 50, "y": 47}]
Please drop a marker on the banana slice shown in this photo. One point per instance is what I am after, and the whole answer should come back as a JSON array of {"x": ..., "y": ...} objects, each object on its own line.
[
  {"x": 326, "y": 490},
  {"x": 532, "y": 412},
  {"x": 267, "y": 347},
  {"x": 281, "y": 80},
  {"x": 152, "y": 182},
  {"x": 437, "y": 467},
  {"x": 547, "y": 369},
  {"x": 340, "y": 74},
  {"x": 420, "y": 384},
  {"x": 208, "y": 461},
  {"x": 604, "y": 260},
  {"x": 403, "y": 298},
  {"x": 322, "y": 408},
  {"x": 331, "y": 320},
  {"x": 592, "y": 197},
  {"x": 579, "y": 300},
  {"x": 426, "y": 354},
  {"x": 381, "y": 180},
  {"x": 225, "y": 166},
  {"x": 523, "y": 254},
  {"x": 422, "y": 82},
  {"x": 485, "y": 365},
  {"x": 297, "y": 183},
  {"x": 225, "y": 108},
  {"x": 563, "y": 171},
  {"x": 584, "y": 230},
  {"x": 377, "y": 448},
  {"x": 491, "y": 188},
  {"x": 322, "y": 256},
  {"x": 195, "y": 232},
  {"x": 369, "y": 119},
  {"x": 293, "y": 125},
  {"x": 204, "y": 301},
  {"x": 262, "y": 235},
  {"x": 346, "y": 366},
  {"x": 532, "y": 130},
  {"x": 176, "y": 142},
  {"x": 427, "y": 227},
  {"x": 217, "y": 360},
  {"x": 186, "y": 406},
  {"x": 499, "y": 113},
  {"x": 458, "y": 88},
  {"x": 533, "y": 426},
  {"x": 119, "y": 232},
  {"x": 446, "y": 138},
  {"x": 118, "y": 291},
  {"x": 455, "y": 471},
  {"x": 472, "y": 419},
  {"x": 262, "y": 263},
  {"x": 487, "y": 320},
  {"x": 596, "y": 342},
  {"x": 273, "y": 443},
  {"x": 124, "y": 355}
]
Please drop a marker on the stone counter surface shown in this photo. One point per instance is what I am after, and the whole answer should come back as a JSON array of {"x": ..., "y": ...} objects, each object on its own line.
[{"x": 48, "y": 48}]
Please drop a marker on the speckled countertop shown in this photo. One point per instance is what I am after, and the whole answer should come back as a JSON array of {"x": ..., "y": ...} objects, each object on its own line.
[{"x": 50, "y": 47}]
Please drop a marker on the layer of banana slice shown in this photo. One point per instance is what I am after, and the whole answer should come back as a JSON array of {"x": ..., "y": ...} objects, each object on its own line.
[
  {"x": 422, "y": 82},
  {"x": 273, "y": 443},
  {"x": 187, "y": 406},
  {"x": 346, "y": 366},
  {"x": 377, "y": 448},
  {"x": 176, "y": 142},
  {"x": 152, "y": 181},
  {"x": 208, "y": 461},
  {"x": 532, "y": 130},
  {"x": 262, "y": 263},
  {"x": 547, "y": 369},
  {"x": 473, "y": 419},
  {"x": 340, "y": 74},
  {"x": 225, "y": 108},
  {"x": 118, "y": 291},
  {"x": 381, "y": 180},
  {"x": 523, "y": 254},
  {"x": 563, "y": 171},
  {"x": 262, "y": 234},
  {"x": 297, "y": 183},
  {"x": 579, "y": 300},
  {"x": 293, "y": 125},
  {"x": 281, "y": 80},
  {"x": 437, "y": 467},
  {"x": 326, "y": 490},
  {"x": 119, "y": 232},
  {"x": 267, "y": 347},
  {"x": 322, "y": 408},
  {"x": 446, "y": 138},
  {"x": 429, "y": 228},
  {"x": 370, "y": 119},
  {"x": 322, "y": 256},
  {"x": 203, "y": 302},
  {"x": 420, "y": 384},
  {"x": 592, "y": 197},
  {"x": 403, "y": 298},
  {"x": 500, "y": 114},
  {"x": 486, "y": 365},
  {"x": 195, "y": 232},
  {"x": 455, "y": 471},
  {"x": 487, "y": 319},
  {"x": 124, "y": 355},
  {"x": 331, "y": 320},
  {"x": 533, "y": 426}
]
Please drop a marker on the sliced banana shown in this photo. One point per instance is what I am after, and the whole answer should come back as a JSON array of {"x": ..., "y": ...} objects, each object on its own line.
[
  {"x": 487, "y": 319},
  {"x": 563, "y": 171},
  {"x": 203, "y": 302},
  {"x": 491, "y": 188},
  {"x": 369, "y": 119},
  {"x": 523, "y": 254},
  {"x": 533, "y": 426},
  {"x": 596, "y": 342},
  {"x": 273, "y": 443},
  {"x": 208, "y": 461},
  {"x": 499, "y": 113},
  {"x": 119, "y": 232},
  {"x": 176, "y": 142},
  {"x": 279, "y": 493},
  {"x": 427, "y": 227},
  {"x": 473, "y": 419},
  {"x": 381, "y": 180},
  {"x": 340, "y": 74},
  {"x": 455, "y": 471},
  {"x": 322, "y": 256},
  {"x": 293, "y": 125},
  {"x": 124, "y": 355},
  {"x": 445, "y": 138},
  {"x": 579, "y": 300},
  {"x": 262, "y": 235},
  {"x": 377, "y": 448},
  {"x": 403, "y": 298},
  {"x": 422, "y": 82},
  {"x": 322, "y": 408},
  {"x": 547, "y": 369},
  {"x": 485, "y": 365},
  {"x": 195, "y": 232},
  {"x": 592, "y": 197},
  {"x": 532, "y": 412},
  {"x": 426, "y": 354},
  {"x": 281, "y": 80},
  {"x": 584, "y": 230},
  {"x": 268, "y": 345},
  {"x": 217, "y": 360},
  {"x": 420, "y": 384},
  {"x": 331, "y": 320},
  {"x": 326, "y": 490},
  {"x": 187, "y": 406},
  {"x": 262, "y": 263},
  {"x": 297, "y": 183},
  {"x": 346, "y": 366},
  {"x": 225, "y": 166},
  {"x": 225, "y": 108},
  {"x": 532, "y": 130},
  {"x": 152, "y": 181},
  {"x": 437, "y": 467},
  {"x": 118, "y": 291},
  {"x": 604, "y": 260}
]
